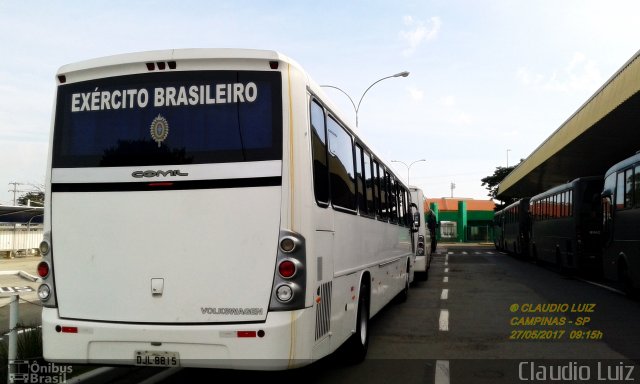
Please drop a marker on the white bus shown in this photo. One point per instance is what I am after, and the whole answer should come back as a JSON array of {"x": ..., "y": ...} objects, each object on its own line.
[
  {"x": 422, "y": 237},
  {"x": 211, "y": 208}
]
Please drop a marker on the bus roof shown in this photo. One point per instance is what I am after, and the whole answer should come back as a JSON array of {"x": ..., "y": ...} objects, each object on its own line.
[
  {"x": 176, "y": 54},
  {"x": 623, "y": 164},
  {"x": 564, "y": 186}
]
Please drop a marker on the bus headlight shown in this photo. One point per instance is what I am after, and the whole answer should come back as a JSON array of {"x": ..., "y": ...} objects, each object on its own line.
[
  {"x": 284, "y": 293},
  {"x": 44, "y": 292}
]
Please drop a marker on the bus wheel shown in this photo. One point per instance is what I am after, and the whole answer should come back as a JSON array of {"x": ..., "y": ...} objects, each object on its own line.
[
  {"x": 404, "y": 294},
  {"x": 357, "y": 345},
  {"x": 559, "y": 267},
  {"x": 534, "y": 254},
  {"x": 624, "y": 276},
  {"x": 425, "y": 275}
]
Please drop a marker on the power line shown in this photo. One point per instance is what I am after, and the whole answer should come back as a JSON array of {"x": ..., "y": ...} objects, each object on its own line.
[{"x": 15, "y": 190}]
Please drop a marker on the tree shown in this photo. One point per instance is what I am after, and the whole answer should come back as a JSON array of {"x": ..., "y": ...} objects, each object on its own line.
[
  {"x": 35, "y": 198},
  {"x": 493, "y": 181}
]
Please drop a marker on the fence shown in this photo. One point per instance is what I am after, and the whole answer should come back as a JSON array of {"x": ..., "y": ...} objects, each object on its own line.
[{"x": 20, "y": 240}]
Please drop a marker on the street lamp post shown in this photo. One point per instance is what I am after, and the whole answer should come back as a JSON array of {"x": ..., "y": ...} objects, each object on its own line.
[
  {"x": 357, "y": 107},
  {"x": 408, "y": 166}
]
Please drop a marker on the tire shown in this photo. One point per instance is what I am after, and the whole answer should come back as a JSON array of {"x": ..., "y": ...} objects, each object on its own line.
[
  {"x": 404, "y": 294},
  {"x": 561, "y": 269},
  {"x": 624, "y": 276},
  {"x": 558, "y": 265},
  {"x": 425, "y": 275},
  {"x": 357, "y": 345}
]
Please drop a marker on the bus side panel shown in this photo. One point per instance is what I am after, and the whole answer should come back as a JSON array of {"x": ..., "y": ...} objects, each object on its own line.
[
  {"x": 374, "y": 244},
  {"x": 624, "y": 247},
  {"x": 550, "y": 238}
]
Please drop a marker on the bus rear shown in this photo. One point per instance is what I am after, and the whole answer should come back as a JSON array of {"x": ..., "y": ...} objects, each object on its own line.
[
  {"x": 163, "y": 219},
  {"x": 423, "y": 241}
]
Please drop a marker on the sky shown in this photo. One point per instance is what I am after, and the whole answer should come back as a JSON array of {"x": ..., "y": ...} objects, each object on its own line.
[{"x": 489, "y": 80}]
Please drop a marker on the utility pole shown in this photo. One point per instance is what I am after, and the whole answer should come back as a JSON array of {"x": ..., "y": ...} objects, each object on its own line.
[{"x": 15, "y": 191}]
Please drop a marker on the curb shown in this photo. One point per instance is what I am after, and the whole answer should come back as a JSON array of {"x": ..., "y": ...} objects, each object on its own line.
[
  {"x": 89, "y": 375},
  {"x": 22, "y": 274}
]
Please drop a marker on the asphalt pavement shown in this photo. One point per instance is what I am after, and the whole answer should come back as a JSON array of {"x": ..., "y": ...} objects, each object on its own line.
[{"x": 20, "y": 275}]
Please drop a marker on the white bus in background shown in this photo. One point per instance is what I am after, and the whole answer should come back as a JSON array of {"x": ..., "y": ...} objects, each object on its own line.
[
  {"x": 422, "y": 236},
  {"x": 211, "y": 208}
]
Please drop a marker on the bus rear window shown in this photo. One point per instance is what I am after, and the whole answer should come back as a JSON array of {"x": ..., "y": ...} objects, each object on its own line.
[{"x": 169, "y": 118}]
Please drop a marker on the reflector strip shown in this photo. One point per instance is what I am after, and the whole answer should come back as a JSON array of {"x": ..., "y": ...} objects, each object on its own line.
[
  {"x": 246, "y": 333},
  {"x": 177, "y": 185},
  {"x": 69, "y": 329}
]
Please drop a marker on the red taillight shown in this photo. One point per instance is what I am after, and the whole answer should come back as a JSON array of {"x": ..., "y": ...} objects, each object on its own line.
[
  {"x": 43, "y": 269},
  {"x": 287, "y": 268}
]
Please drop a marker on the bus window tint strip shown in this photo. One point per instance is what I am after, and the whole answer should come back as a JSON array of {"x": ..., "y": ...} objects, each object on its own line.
[{"x": 168, "y": 186}]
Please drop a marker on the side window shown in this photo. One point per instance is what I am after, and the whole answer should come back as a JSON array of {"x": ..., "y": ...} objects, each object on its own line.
[
  {"x": 369, "y": 184},
  {"x": 532, "y": 210},
  {"x": 570, "y": 203},
  {"x": 620, "y": 191},
  {"x": 392, "y": 198},
  {"x": 319, "y": 153},
  {"x": 360, "y": 181},
  {"x": 383, "y": 193},
  {"x": 400, "y": 204},
  {"x": 341, "y": 170},
  {"x": 376, "y": 188},
  {"x": 628, "y": 192},
  {"x": 636, "y": 186},
  {"x": 405, "y": 208}
]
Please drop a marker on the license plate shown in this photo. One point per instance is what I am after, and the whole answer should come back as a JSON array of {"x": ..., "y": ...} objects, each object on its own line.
[{"x": 157, "y": 359}]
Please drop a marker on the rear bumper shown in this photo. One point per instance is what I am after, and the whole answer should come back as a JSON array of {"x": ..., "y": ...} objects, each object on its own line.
[
  {"x": 212, "y": 346},
  {"x": 421, "y": 264}
]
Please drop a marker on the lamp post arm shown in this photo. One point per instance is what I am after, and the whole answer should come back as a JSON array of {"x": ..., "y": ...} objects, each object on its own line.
[
  {"x": 346, "y": 94},
  {"x": 405, "y": 164},
  {"x": 357, "y": 108},
  {"x": 366, "y": 90},
  {"x": 400, "y": 74}
]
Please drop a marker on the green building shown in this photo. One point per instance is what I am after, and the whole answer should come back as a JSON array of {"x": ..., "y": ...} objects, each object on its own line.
[{"x": 462, "y": 220}]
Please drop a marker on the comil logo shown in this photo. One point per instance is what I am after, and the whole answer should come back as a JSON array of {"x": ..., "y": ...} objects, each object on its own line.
[{"x": 159, "y": 173}]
